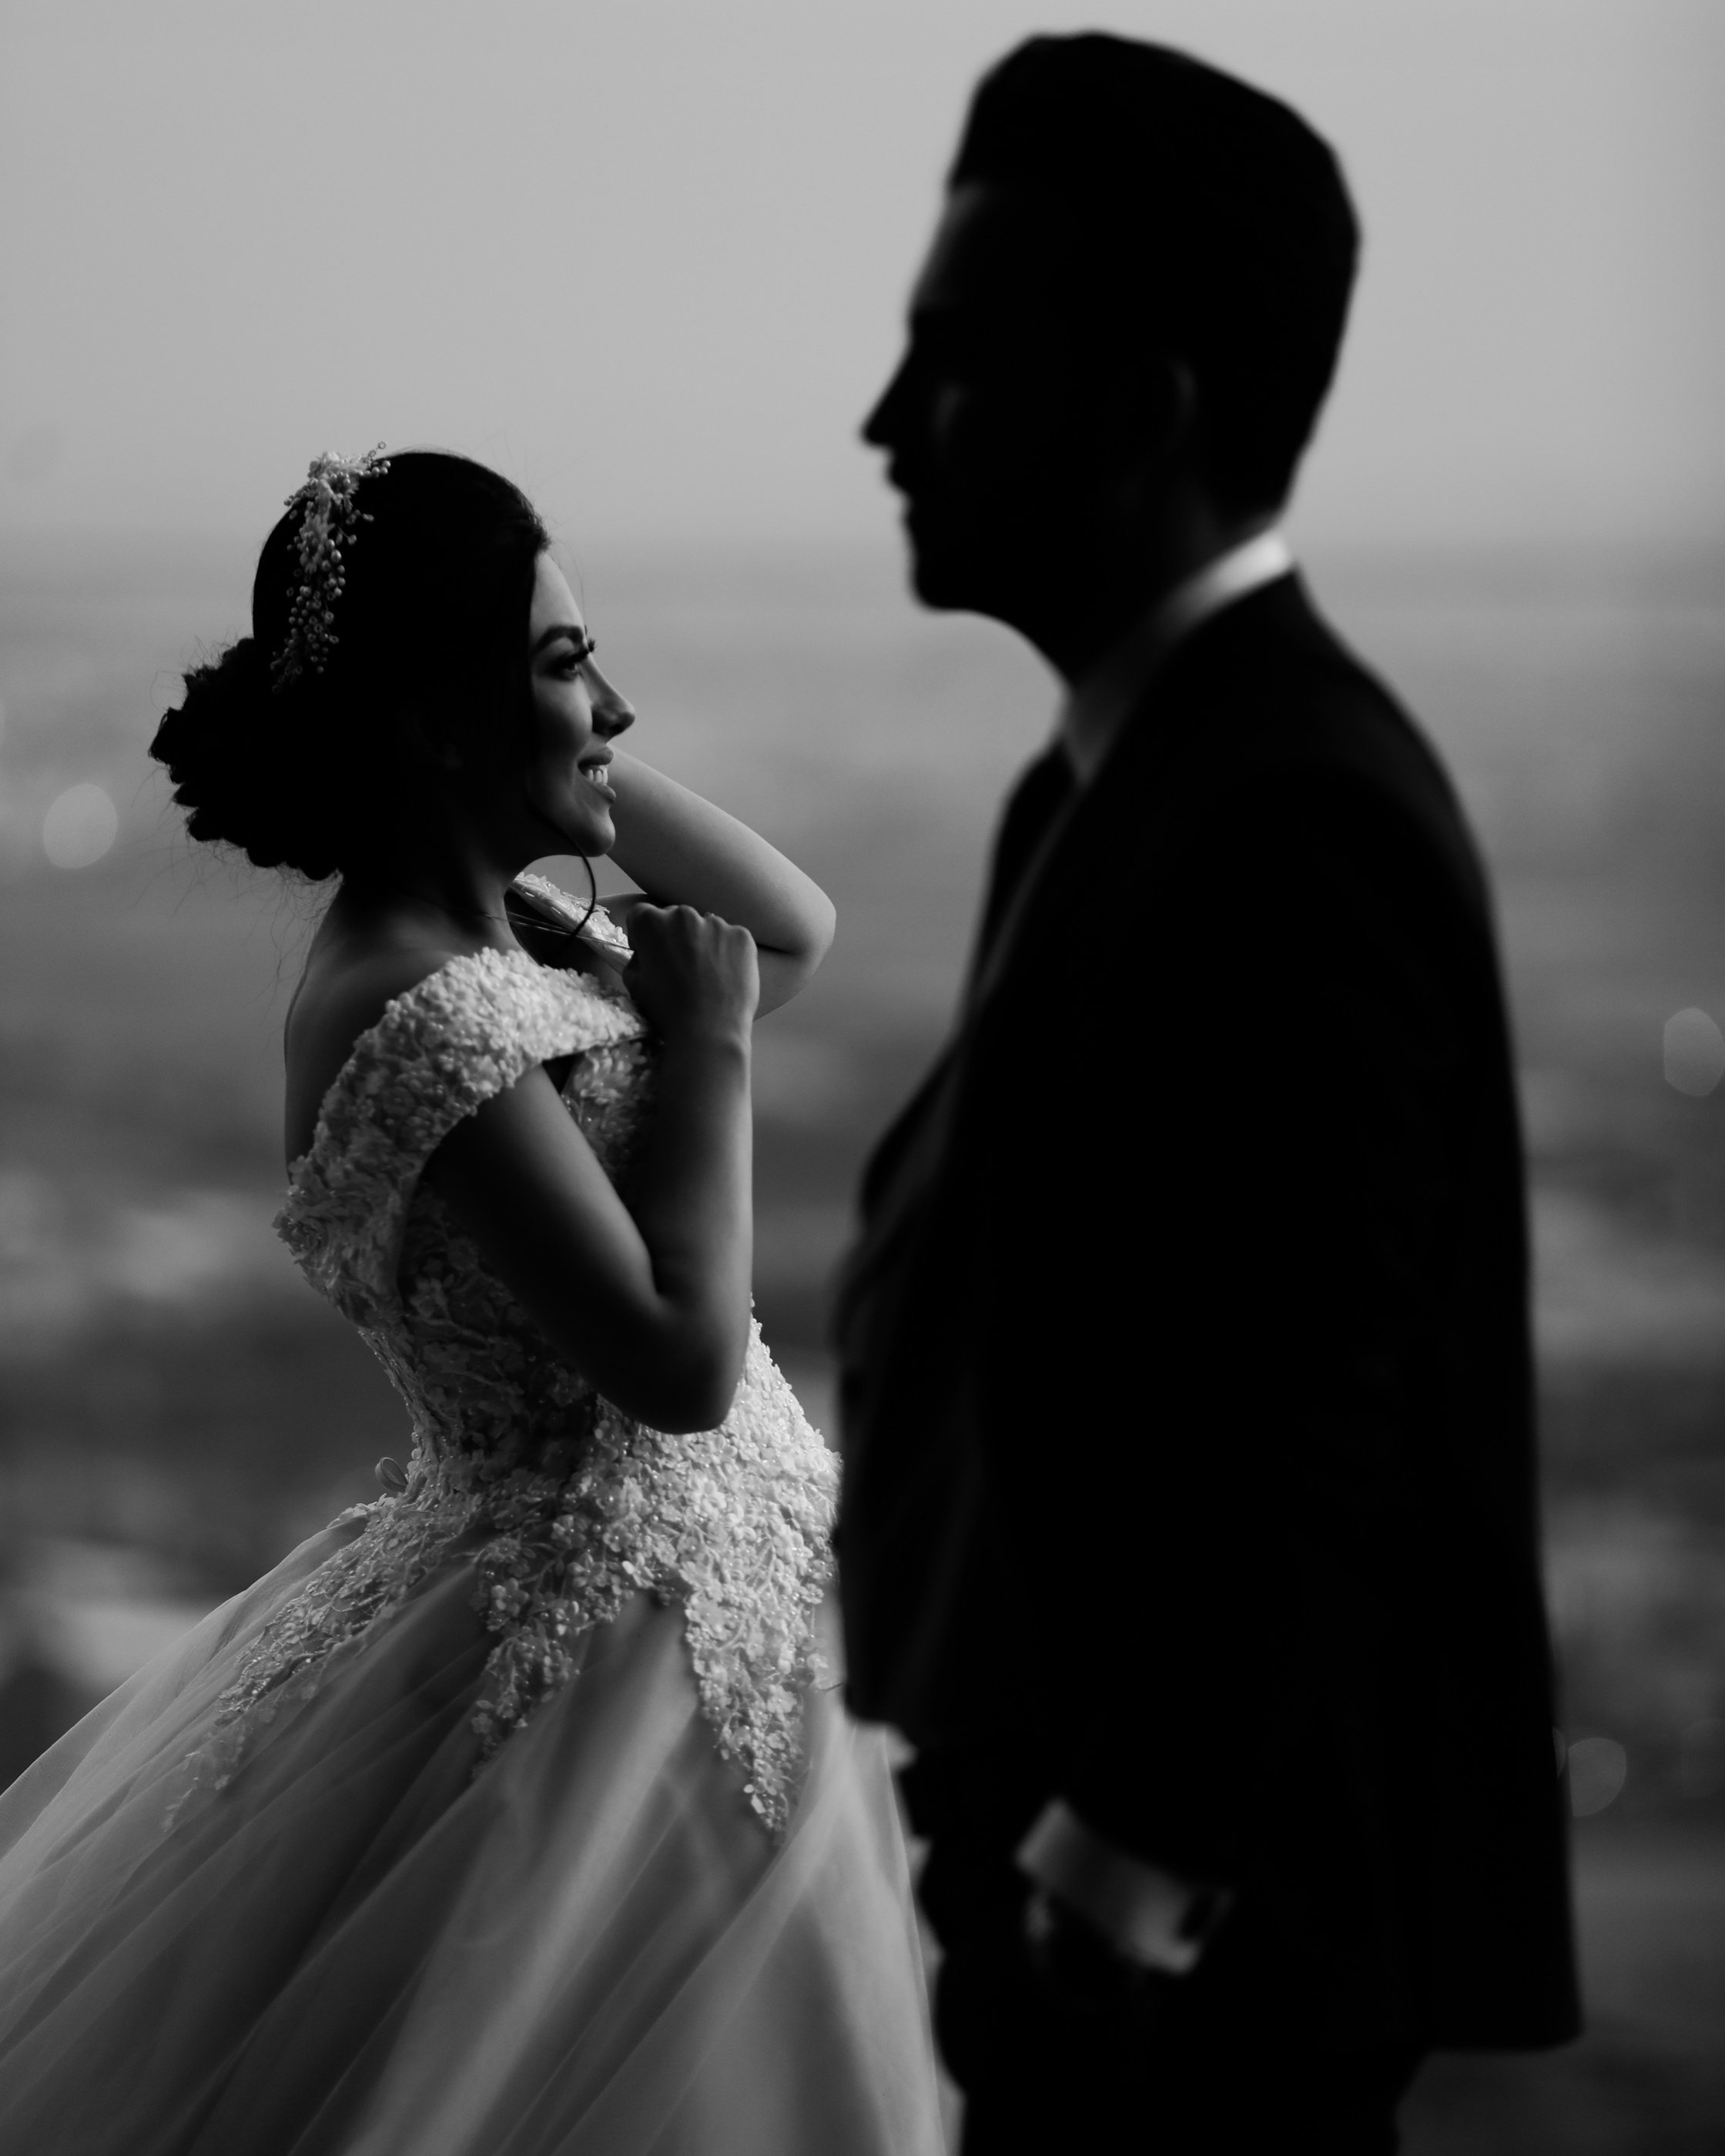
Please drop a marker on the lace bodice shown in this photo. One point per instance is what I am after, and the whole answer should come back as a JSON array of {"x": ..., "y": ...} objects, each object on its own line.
[{"x": 564, "y": 1504}]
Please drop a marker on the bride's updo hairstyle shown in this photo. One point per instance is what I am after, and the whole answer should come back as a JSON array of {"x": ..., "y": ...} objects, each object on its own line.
[{"x": 317, "y": 768}]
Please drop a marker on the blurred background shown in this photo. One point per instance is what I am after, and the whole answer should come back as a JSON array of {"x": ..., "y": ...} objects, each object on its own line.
[{"x": 649, "y": 257}]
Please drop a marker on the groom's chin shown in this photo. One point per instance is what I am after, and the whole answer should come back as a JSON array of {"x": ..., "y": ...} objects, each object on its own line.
[
  {"x": 967, "y": 561},
  {"x": 955, "y": 584},
  {"x": 941, "y": 574},
  {"x": 932, "y": 582}
]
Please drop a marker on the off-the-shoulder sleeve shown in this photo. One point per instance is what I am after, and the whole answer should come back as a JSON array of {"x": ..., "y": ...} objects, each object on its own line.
[{"x": 452, "y": 1042}]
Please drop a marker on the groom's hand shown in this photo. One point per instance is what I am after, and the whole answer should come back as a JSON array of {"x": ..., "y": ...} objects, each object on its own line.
[
  {"x": 1083, "y": 1975},
  {"x": 1108, "y": 1933}
]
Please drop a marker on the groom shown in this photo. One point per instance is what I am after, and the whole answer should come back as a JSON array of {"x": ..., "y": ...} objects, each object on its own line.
[{"x": 1189, "y": 1527}]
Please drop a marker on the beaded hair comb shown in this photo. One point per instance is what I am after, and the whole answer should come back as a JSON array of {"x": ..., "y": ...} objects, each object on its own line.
[{"x": 332, "y": 517}]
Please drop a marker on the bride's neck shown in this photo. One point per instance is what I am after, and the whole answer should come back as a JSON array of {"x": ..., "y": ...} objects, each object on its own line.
[{"x": 461, "y": 886}]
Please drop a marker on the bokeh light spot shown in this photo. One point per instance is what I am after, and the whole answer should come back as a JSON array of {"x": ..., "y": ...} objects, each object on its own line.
[
  {"x": 1694, "y": 1052},
  {"x": 80, "y": 826},
  {"x": 1599, "y": 1768}
]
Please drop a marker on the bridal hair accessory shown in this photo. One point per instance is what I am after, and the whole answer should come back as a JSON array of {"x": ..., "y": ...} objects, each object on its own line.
[{"x": 332, "y": 518}]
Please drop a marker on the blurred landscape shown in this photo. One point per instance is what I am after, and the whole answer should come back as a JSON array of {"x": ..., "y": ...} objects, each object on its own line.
[{"x": 176, "y": 1408}]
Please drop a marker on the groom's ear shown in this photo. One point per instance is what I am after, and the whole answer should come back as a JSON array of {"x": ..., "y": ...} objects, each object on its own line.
[
  {"x": 1170, "y": 401},
  {"x": 1150, "y": 407}
]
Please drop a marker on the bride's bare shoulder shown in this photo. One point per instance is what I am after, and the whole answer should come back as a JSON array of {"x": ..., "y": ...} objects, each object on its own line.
[{"x": 344, "y": 991}]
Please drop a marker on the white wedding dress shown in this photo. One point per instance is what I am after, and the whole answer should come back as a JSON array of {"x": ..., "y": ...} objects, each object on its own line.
[{"x": 517, "y": 1814}]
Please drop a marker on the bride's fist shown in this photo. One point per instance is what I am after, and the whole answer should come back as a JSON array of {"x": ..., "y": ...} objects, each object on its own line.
[{"x": 692, "y": 972}]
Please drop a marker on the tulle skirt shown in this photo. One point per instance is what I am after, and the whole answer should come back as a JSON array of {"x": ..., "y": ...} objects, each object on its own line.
[{"x": 592, "y": 1948}]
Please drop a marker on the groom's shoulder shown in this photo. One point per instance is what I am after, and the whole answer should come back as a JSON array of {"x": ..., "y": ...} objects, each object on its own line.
[
  {"x": 1281, "y": 710},
  {"x": 1284, "y": 687},
  {"x": 1275, "y": 750}
]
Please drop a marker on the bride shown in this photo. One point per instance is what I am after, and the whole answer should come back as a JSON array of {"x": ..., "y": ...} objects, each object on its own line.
[{"x": 515, "y": 1812}]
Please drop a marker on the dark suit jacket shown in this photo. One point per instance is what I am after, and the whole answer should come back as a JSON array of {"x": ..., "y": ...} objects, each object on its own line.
[{"x": 1187, "y": 1392}]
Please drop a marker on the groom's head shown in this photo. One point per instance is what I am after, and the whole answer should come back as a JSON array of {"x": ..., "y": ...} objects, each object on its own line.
[{"x": 1131, "y": 313}]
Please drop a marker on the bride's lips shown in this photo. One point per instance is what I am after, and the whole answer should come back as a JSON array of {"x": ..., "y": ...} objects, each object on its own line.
[{"x": 595, "y": 775}]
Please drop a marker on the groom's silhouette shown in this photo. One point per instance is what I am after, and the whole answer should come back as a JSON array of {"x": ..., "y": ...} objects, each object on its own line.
[{"x": 1189, "y": 1528}]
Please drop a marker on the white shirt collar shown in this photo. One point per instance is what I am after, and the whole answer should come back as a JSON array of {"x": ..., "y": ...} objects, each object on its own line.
[{"x": 1097, "y": 706}]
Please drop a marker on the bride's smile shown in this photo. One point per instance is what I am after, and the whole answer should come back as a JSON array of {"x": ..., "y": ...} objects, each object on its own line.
[{"x": 576, "y": 713}]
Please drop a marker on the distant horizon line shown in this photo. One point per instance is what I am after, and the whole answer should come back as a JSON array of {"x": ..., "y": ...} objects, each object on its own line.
[{"x": 1696, "y": 564}]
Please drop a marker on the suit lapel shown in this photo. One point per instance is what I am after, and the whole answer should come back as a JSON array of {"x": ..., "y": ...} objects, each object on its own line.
[
  {"x": 906, "y": 1161},
  {"x": 1051, "y": 837},
  {"x": 1067, "y": 847},
  {"x": 1139, "y": 786},
  {"x": 1044, "y": 793}
]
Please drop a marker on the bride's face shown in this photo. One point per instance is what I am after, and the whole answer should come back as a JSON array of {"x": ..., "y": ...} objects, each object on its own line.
[{"x": 577, "y": 714}]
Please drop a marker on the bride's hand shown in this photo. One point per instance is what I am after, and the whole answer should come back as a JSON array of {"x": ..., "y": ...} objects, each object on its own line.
[{"x": 691, "y": 972}]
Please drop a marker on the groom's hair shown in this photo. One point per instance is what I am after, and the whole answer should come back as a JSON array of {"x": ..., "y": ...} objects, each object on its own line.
[{"x": 1194, "y": 216}]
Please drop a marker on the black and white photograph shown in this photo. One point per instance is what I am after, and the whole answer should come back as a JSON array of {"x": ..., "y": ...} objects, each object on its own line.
[{"x": 862, "y": 1078}]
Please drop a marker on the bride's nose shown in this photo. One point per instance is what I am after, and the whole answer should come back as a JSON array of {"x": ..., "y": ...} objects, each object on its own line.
[{"x": 612, "y": 713}]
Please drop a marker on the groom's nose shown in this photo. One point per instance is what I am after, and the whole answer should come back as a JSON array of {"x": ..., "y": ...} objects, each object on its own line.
[{"x": 882, "y": 429}]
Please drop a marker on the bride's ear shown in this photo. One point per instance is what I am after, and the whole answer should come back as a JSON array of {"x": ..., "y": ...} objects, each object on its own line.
[{"x": 428, "y": 745}]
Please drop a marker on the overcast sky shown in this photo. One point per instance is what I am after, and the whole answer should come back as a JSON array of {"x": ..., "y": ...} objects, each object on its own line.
[{"x": 649, "y": 256}]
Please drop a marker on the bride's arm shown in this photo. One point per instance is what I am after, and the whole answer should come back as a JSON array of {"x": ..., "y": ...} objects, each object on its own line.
[
  {"x": 643, "y": 1284},
  {"x": 683, "y": 851}
]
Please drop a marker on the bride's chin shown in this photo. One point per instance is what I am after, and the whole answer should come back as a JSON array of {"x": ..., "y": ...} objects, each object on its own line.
[
  {"x": 598, "y": 839},
  {"x": 583, "y": 832}
]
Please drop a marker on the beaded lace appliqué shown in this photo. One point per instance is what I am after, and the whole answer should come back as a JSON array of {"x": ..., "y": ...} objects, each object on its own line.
[{"x": 563, "y": 1505}]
